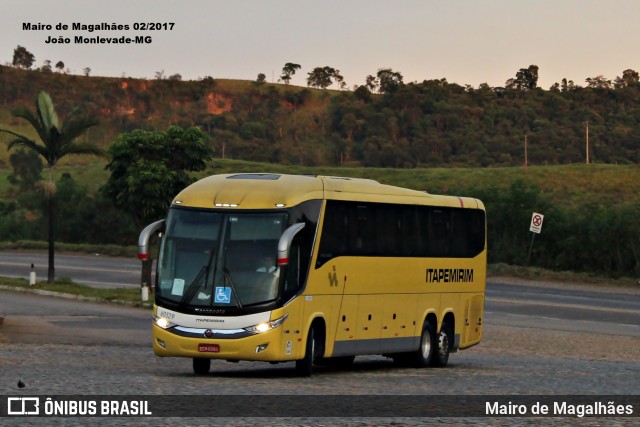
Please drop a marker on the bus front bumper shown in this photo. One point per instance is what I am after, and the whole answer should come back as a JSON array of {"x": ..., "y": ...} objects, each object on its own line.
[{"x": 265, "y": 346}]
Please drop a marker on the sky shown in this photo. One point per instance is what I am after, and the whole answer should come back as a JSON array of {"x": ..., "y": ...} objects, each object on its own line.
[{"x": 465, "y": 42}]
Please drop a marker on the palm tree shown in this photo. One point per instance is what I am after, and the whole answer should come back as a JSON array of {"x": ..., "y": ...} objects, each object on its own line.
[{"x": 57, "y": 142}]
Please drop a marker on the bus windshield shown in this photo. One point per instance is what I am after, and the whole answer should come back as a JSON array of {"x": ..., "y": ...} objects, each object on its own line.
[{"x": 215, "y": 259}]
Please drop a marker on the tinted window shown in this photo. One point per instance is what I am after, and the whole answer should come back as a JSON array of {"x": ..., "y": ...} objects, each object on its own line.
[{"x": 379, "y": 229}]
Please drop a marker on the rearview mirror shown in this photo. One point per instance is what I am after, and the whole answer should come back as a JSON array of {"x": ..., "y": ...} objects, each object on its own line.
[
  {"x": 284, "y": 245},
  {"x": 145, "y": 235}
]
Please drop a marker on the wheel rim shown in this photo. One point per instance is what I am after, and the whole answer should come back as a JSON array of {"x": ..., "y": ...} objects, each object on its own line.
[
  {"x": 426, "y": 344},
  {"x": 313, "y": 348},
  {"x": 443, "y": 344}
]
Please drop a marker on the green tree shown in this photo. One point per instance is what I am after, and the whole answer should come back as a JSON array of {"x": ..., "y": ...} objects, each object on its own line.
[
  {"x": 362, "y": 93},
  {"x": 389, "y": 80},
  {"x": 526, "y": 79},
  {"x": 372, "y": 83},
  {"x": 46, "y": 66},
  {"x": 321, "y": 77},
  {"x": 297, "y": 98},
  {"x": 148, "y": 168},
  {"x": 57, "y": 141},
  {"x": 629, "y": 78},
  {"x": 568, "y": 85},
  {"x": 598, "y": 82},
  {"x": 261, "y": 79},
  {"x": 339, "y": 79},
  {"x": 22, "y": 58},
  {"x": 26, "y": 189},
  {"x": 27, "y": 169},
  {"x": 289, "y": 70}
]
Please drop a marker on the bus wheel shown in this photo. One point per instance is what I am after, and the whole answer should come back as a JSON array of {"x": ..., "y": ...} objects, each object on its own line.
[
  {"x": 304, "y": 367},
  {"x": 441, "y": 355},
  {"x": 423, "y": 357},
  {"x": 201, "y": 366}
]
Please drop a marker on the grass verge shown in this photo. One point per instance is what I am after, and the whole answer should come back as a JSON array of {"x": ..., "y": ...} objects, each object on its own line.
[
  {"x": 540, "y": 274},
  {"x": 64, "y": 285},
  {"x": 83, "y": 248}
]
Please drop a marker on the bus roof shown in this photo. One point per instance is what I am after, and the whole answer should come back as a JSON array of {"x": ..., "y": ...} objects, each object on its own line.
[{"x": 268, "y": 190}]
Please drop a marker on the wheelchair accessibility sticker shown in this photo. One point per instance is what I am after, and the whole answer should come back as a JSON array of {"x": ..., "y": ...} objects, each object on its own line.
[{"x": 223, "y": 295}]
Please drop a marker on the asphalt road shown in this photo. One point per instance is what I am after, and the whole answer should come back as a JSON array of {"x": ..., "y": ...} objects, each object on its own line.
[
  {"x": 40, "y": 319},
  {"x": 556, "y": 306},
  {"x": 93, "y": 270}
]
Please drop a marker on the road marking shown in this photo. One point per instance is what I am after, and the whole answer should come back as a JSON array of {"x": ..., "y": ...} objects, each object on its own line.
[
  {"x": 560, "y": 305},
  {"x": 70, "y": 267},
  {"x": 87, "y": 282},
  {"x": 564, "y": 321}
]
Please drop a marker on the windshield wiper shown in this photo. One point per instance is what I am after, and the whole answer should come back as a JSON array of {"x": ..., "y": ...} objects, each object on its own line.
[
  {"x": 194, "y": 285},
  {"x": 227, "y": 276}
]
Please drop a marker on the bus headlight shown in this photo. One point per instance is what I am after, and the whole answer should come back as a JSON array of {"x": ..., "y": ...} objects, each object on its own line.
[
  {"x": 162, "y": 322},
  {"x": 266, "y": 326}
]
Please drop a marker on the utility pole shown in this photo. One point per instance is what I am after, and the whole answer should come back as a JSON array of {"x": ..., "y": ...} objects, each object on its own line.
[
  {"x": 586, "y": 131},
  {"x": 526, "y": 160}
]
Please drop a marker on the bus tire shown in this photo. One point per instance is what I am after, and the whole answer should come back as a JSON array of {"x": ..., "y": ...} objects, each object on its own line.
[
  {"x": 304, "y": 366},
  {"x": 201, "y": 366},
  {"x": 424, "y": 356},
  {"x": 441, "y": 355}
]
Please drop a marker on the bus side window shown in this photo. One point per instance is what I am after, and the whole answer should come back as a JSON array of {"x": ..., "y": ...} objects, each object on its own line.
[
  {"x": 386, "y": 230},
  {"x": 335, "y": 233},
  {"x": 413, "y": 231},
  {"x": 359, "y": 243},
  {"x": 440, "y": 233},
  {"x": 477, "y": 232},
  {"x": 460, "y": 241}
]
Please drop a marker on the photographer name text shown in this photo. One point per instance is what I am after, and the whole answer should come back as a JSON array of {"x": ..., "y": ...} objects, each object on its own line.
[
  {"x": 558, "y": 409},
  {"x": 112, "y": 28}
]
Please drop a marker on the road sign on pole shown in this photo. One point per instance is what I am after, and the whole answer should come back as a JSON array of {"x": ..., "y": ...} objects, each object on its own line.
[
  {"x": 535, "y": 228},
  {"x": 536, "y": 223}
]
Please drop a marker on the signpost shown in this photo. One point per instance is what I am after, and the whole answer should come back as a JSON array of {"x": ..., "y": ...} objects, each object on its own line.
[
  {"x": 535, "y": 228},
  {"x": 536, "y": 223}
]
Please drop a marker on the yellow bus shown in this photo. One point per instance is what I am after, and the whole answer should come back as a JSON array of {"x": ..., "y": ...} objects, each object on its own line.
[{"x": 316, "y": 269}]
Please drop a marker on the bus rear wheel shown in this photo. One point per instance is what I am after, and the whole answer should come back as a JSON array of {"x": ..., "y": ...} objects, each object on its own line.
[
  {"x": 441, "y": 355},
  {"x": 424, "y": 356},
  {"x": 201, "y": 366}
]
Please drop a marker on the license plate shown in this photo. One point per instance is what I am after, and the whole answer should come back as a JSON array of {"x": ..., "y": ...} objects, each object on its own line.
[{"x": 209, "y": 348}]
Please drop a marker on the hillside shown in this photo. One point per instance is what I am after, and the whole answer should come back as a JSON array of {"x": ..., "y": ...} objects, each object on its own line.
[
  {"x": 427, "y": 124},
  {"x": 234, "y": 113}
]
